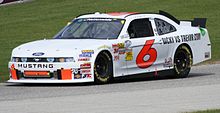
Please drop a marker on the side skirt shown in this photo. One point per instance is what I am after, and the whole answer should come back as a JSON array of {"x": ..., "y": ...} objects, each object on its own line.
[{"x": 164, "y": 74}]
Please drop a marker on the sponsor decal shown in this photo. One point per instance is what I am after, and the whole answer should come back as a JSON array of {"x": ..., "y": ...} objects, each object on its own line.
[
  {"x": 83, "y": 59},
  {"x": 82, "y": 73},
  {"x": 85, "y": 66},
  {"x": 202, "y": 31},
  {"x": 77, "y": 73},
  {"x": 88, "y": 75},
  {"x": 116, "y": 57},
  {"x": 121, "y": 45},
  {"x": 128, "y": 43},
  {"x": 181, "y": 38},
  {"x": 86, "y": 71},
  {"x": 86, "y": 53},
  {"x": 38, "y": 54},
  {"x": 35, "y": 66},
  {"x": 115, "y": 51},
  {"x": 168, "y": 62},
  {"x": 77, "y": 76},
  {"x": 190, "y": 37},
  {"x": 168, "y": 40},
  {"x": 129, "y": 55},
  {"x": 123, "y": 49},
  {"x": 118, "y": 48},
  {"x": 36, "y": 74},
  {"x": 98, "y": 19},
  {"x": 115, "y": 48}
]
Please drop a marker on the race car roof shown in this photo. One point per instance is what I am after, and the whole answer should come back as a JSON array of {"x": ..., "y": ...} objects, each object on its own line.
[{"x": 123, "y": 15}]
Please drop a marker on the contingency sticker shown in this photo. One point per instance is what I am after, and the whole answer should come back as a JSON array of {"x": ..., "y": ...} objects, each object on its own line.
[
  {"x": 86, "y": 53},
  {"x": 129, "y": 56}
]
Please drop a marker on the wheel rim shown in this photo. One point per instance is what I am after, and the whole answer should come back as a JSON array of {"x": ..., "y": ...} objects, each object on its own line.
[
  {"x": 101, "y": 67},
  {"x": 182, "y": 61}
]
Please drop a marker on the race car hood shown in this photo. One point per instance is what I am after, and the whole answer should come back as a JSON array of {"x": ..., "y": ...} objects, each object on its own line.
[{"x": 56, "y": 47}]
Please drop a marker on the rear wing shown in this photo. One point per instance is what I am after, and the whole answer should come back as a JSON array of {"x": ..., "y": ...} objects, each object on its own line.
[{"x": 199, "y": 22}]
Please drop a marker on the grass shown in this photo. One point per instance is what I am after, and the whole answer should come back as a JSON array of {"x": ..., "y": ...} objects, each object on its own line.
[
  {"x": 40, "y": 19},
  {"x": 207, "y": 111}
]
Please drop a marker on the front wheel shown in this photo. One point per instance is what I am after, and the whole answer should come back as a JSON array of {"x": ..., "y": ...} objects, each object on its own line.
[
  {"x": 103, "y": 68},
  {"x": 182, "y": 62}
]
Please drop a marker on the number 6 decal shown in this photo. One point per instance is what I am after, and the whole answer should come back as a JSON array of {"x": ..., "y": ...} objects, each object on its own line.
[{"x": 146, "y": 50}]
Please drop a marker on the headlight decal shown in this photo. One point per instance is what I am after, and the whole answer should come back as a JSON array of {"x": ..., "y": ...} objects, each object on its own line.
[
  {"x": 50, "y": 59},
  {"x": 39, "y": 59}
]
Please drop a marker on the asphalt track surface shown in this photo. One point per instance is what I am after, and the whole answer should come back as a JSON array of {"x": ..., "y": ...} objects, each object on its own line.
[{"x": 200, "y": 91}]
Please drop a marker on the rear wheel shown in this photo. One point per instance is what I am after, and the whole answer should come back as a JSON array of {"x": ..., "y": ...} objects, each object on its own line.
[
  {"x": 182, "y": 62},
  {"x": 103, "y": 68}
]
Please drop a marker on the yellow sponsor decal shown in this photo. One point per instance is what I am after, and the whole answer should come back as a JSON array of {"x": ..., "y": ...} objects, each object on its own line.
[
  {"x": 121, "y": 45},
  {"x": 87, "y": 51},
  {"x": 129, "y": 56}
]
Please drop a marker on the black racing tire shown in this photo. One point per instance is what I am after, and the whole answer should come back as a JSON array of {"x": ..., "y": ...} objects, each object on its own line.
[
  {"x": 182, "y": 62},
  {"x": 103, "y": 68}
]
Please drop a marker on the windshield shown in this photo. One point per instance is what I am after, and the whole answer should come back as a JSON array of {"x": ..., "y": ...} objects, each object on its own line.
[{"x": 92, "y": 28}]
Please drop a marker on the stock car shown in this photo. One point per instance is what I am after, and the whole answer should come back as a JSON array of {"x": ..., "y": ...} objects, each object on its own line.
[{"x": 98, "y": 47}]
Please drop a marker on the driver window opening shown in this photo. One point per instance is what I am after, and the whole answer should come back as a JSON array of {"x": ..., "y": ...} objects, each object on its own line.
[{"x": 140, "y": 28}]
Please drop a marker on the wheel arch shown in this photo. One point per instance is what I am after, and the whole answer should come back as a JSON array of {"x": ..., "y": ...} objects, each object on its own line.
[
  {"x": 106, "y": 53},
  {"x": 183, "y": 44},
  {"x": 185, "y": 73},
  {"x": 109, "y": 54}
]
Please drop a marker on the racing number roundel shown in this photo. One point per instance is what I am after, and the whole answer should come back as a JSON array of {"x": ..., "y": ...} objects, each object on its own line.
[{"x": 146, "y": 50}]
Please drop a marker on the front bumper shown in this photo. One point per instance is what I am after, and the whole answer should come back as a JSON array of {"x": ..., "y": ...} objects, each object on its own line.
[
  {"x": 66, "y": 72},
  {"x": 49, "y": 81}
]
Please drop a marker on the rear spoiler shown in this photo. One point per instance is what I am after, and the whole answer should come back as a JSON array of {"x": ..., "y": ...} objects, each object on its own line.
[{"x": 199, "y": 22}]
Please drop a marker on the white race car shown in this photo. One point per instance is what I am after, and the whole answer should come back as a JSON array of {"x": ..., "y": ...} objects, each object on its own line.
[{"x": 98, "y": 47}]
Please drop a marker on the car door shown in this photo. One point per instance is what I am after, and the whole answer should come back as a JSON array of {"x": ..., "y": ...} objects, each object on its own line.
[{"x": 144, "y": 50}]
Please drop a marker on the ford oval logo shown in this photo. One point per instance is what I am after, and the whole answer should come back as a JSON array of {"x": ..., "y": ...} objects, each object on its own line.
[{"x": 38, "y": 54}]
